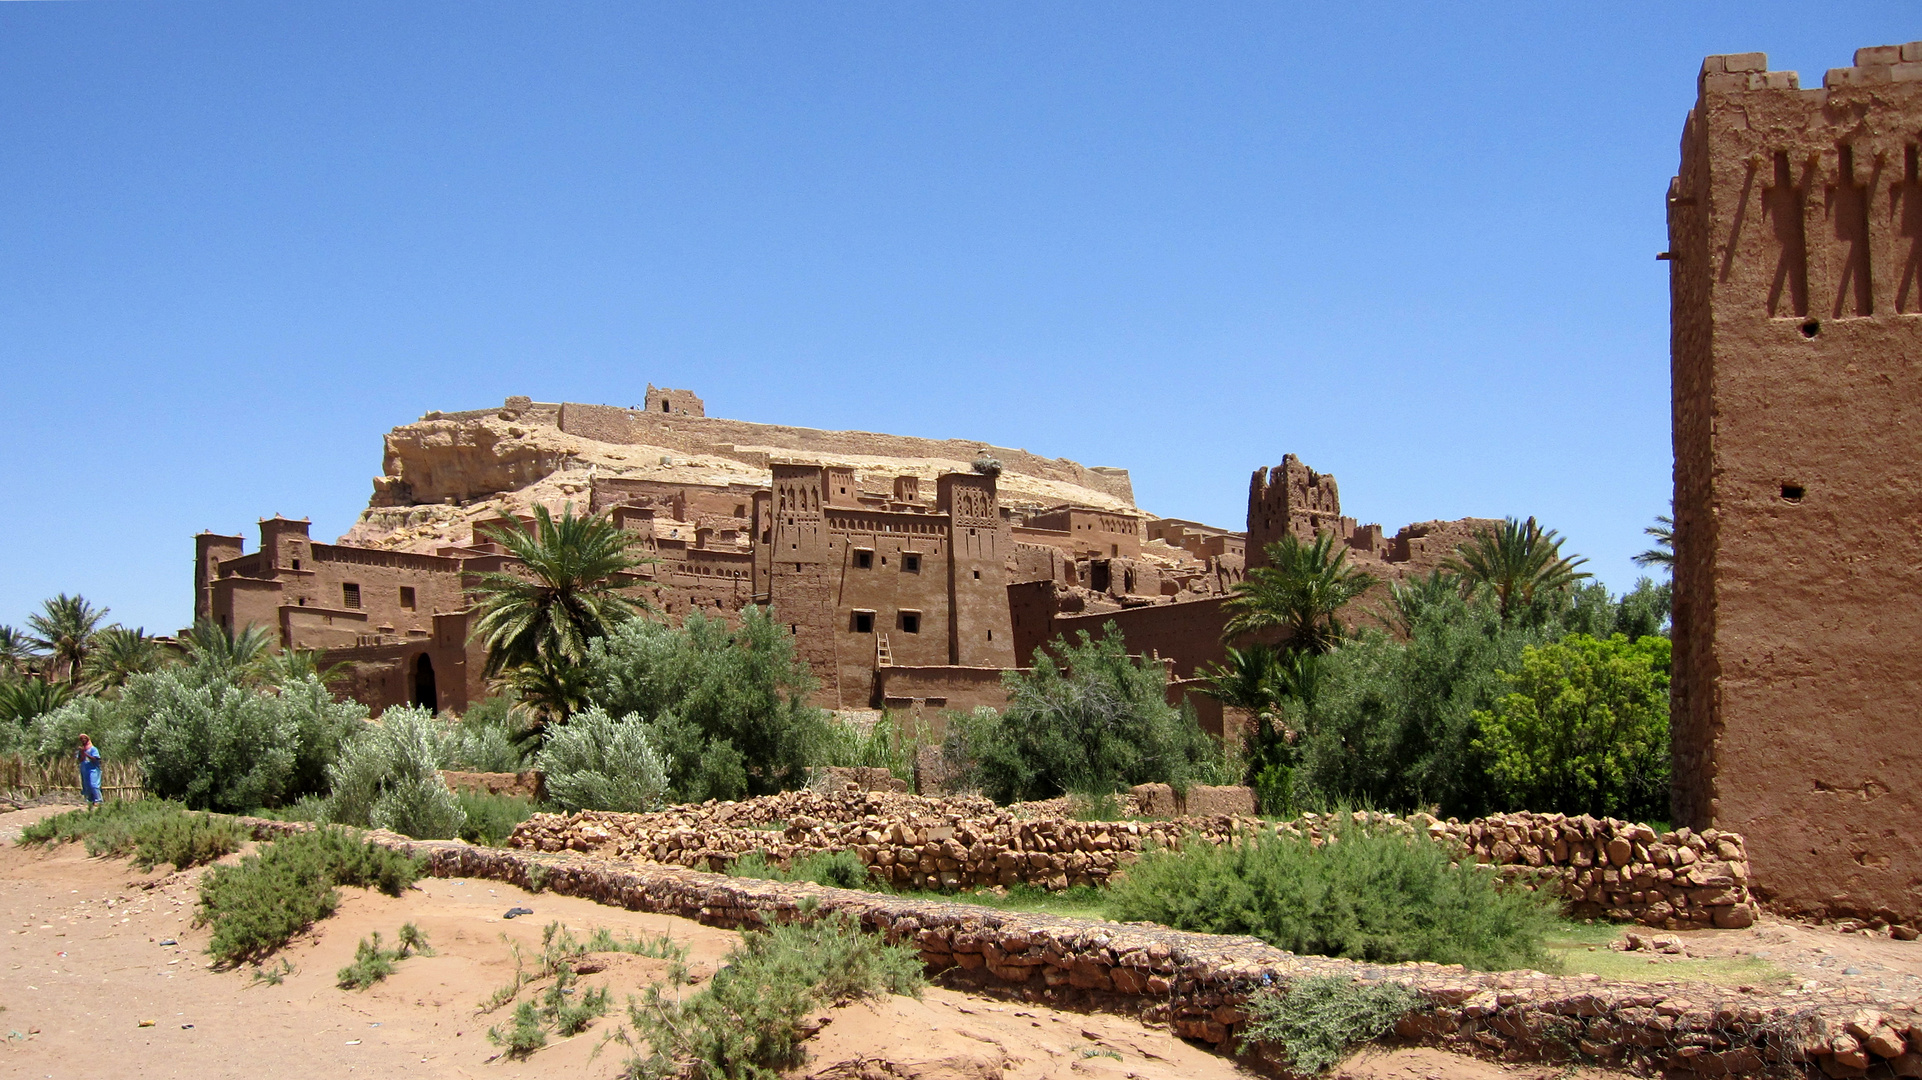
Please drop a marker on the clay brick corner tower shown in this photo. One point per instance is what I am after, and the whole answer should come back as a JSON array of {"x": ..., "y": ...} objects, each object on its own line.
[
  {"x": 1795, "y": 240},
  {"x": 980, "y": 630},
  {"x": 800, "y": 588},
  {"x": 1290, "y": 498}
]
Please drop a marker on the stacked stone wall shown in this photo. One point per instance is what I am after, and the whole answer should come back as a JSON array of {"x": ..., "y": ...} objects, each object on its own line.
[
  {"x": 1200, "y": 984},
  {"x": 1600, "y": 867}
]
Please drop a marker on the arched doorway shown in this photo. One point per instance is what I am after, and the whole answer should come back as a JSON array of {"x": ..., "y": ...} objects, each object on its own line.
[{"x": 425, "y": 695}]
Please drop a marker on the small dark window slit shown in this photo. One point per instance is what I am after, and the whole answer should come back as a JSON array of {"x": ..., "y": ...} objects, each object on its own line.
[{"x": 1793, "y": 492}]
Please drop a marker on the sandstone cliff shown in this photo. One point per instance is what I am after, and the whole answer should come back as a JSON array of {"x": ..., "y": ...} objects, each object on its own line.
[{"x": 447, "y": 470}]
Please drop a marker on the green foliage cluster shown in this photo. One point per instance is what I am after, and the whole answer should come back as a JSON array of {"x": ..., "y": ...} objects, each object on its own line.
[
  {"x": 186, "y": 839},
  {"x": 746, "y": 1023},
  {"x": 256, "y": 906},
  {"x": 491, "y": 818},
  {"x": 1584, "y": 728},
  {"x": 835, "y": 869},
  {"x": 1384, "y": 897},
  {"x": 1316, "y": 1020},
  {"x": 486, "y": 739},
  {"x": 1395, "y": 720},
  {"x": 597, "y": 762},
  {"x": 1086, "y": 718},
  {"x": 152, "y": 831},
  {"x": 882, "y": 746},
  {"x": 726, "y": 709},
  {"x": 564, "y": 1007},
  {"x": 388, "y": 777},
  {"x": 374, "y": 961}
]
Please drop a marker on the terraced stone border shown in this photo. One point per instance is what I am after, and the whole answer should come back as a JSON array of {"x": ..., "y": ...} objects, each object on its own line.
[
  {"x": 1199, "y": 983},
  {"x": 1600, "y": 867}
]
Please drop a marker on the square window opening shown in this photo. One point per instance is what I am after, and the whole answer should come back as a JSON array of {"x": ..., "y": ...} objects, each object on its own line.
[
  {"x": 1793, "y": 492},
  {"x": 350, "y": 595},
  {"x": 977, "y": 575},
  {"x": 911, "y": 563},
  {"x": 910, "y": 622},
  {"x": 407, "y": 597},
  {"x": 863, "y": 559},
  {"x": 864, "y": 622}
]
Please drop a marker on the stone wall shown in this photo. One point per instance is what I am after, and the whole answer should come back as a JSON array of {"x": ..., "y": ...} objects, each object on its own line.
[
  {"x": 1199, "y": 984},
  {"x": 1602, "y": 868},
  {"x": 530, "y": 784}
]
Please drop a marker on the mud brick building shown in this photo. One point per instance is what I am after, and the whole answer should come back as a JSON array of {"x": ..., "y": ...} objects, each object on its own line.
[{"x": 1795, "y": 248}]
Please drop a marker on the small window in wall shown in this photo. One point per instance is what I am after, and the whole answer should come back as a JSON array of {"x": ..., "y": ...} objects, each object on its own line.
[
  {"x": 1114, "y": 549},
  {"x": 910, "y": 622},
  {"x": 407, "y": 597},
  {"x": 977, "y": 575},
  {"x": 350, "y": 595},
  {"x": 911, "y": 563},
  {"x": 296, "y": 564},
  {"x": 1793, "y": 492},
  {"x": 863, "y": 559},
  {"x": 864, "y": 622},
  {"x": 740, "y": 510}
]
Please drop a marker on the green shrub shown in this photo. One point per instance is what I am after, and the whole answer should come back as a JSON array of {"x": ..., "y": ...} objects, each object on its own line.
[
  {"x": 491, "y": 818},
  {"x": 256, "y": 906},
  {"x": 882, "y": 746},
  {"x": 596, "y": 762},
  {"x": 1385, "y": 897},
  {"x": 727, "y": 709},
  {"x": 186, "y": 839},
  {"x": 153, "y": 831},
  {"x": 1088, "y": 718},
  {"x": 1584, "y": 728},
  {"x": 484, "y": 739},
  {"x": 522, "y": 1037},
  {"x": 837, "y": 869},
  {"x": 374, "y": 962},
  {"x": 388, "y": 777},
  {"x": 107, "y": 828},
  {"x": 221, "y": 745},
  {"x": 1316, "y": 1020},
  {"x": 745, "y": 1024}
]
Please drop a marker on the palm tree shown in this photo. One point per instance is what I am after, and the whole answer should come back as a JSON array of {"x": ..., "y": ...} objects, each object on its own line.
[
  {"x": 1408, "y": 601},
  {"x": 23, "y": 701},
  {"x": 15, "y": 650},
  {"x": 560, "y": 597},
  {"x": 293, "y": 665},
  {"x": 1519, "y": 561},
  {"x": 1300, "y": 592},
  {"x": 1663, "y": 532},
  {"x": 119, "y": 654},
  {"x": 65, "y": 628},
  {"x": 1246, "y": 680},
  {"x": 217, "y": 649},
  {"x": 546, "y": 692}
]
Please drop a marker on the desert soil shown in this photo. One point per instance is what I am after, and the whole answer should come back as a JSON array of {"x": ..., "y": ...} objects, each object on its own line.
[{"x": 94, "y": 948}]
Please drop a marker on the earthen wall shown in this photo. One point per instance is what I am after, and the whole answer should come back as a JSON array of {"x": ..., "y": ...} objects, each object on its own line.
[{"x": 1795, "y": 241}]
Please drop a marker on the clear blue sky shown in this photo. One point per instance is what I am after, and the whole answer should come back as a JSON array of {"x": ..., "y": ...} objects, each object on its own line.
[{"x": 1412, "y": 244}]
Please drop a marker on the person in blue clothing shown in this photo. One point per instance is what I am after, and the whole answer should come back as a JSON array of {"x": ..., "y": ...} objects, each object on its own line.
[{"x": 89, "y": 758}]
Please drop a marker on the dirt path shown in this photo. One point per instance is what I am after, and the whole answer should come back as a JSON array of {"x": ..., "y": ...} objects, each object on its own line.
[{"x": 93, "y": 949}]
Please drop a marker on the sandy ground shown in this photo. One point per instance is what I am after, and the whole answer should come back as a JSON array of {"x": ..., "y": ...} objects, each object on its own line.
[
  {"x": 93, "y": 948},
  {"x": 1820, "y": 956}
]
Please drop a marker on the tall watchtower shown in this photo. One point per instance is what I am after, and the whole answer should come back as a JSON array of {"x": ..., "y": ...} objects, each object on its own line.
[
  {"x": 1795, "y": 245},
  {"x": 1292, "y": 499}
]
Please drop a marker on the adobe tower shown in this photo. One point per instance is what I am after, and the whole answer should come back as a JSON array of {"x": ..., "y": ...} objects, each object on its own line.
[{"x": 1795, "y": 239}]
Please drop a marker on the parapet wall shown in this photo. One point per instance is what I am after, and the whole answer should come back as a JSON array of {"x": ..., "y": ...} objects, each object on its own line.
[
  {"x": 1199, "y": 984},
  {"x": 1600, "y": 867}
]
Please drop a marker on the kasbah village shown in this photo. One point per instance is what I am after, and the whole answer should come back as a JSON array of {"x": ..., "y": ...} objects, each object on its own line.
[{"x": 638, "y": 741}]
